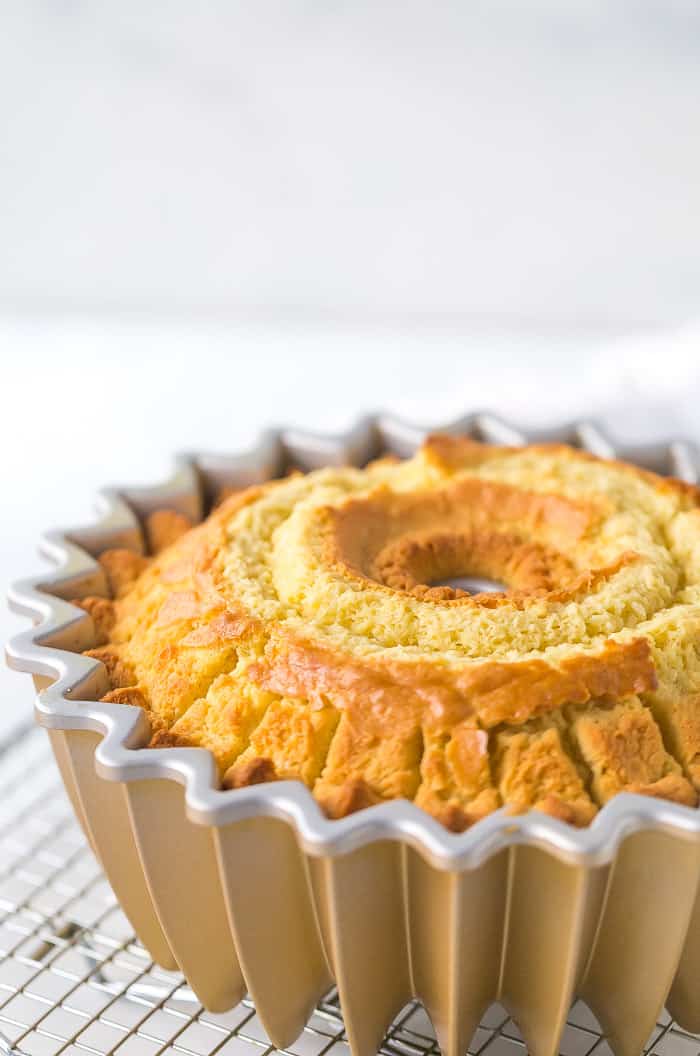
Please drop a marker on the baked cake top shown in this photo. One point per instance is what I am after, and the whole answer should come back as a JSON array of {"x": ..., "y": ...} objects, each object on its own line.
[{"x": 301, "y": 632}]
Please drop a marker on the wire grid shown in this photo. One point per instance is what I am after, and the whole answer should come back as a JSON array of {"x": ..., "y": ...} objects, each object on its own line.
[{"x": 74, "y": 979}]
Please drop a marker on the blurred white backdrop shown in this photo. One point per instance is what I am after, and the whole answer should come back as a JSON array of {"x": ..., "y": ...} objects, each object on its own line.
[
  {"x": 221, "y": 215},
  {"x": 519, "y": 158}
]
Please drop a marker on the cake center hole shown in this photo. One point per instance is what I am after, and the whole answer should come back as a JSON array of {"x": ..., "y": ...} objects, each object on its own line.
[{"x": 471, "y": 584}]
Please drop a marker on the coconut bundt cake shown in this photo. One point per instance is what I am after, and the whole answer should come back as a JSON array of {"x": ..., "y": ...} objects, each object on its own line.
[{"x": 302, "y": 631}]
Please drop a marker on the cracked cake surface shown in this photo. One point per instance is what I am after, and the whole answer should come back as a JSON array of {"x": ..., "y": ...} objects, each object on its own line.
[{"x": 305, "y": 631}]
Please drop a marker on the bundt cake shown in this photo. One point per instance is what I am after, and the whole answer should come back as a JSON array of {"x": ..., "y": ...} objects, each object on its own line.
[{"x": 305, "y": 630}]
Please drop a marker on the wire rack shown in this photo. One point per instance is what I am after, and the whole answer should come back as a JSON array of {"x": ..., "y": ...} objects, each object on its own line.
[{"x": 74, "y": 979}]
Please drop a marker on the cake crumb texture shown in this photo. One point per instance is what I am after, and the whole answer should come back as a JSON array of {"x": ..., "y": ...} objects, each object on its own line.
[{"x": 305, "y": 631}]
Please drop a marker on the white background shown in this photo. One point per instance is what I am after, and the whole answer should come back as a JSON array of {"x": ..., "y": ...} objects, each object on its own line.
[{"x": 216, "y": 216}]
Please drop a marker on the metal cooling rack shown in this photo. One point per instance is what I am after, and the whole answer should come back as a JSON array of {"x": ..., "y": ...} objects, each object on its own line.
[{"x": 74, "y": 979}]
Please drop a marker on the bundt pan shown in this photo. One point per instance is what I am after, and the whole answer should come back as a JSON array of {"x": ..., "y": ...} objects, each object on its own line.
[{"x": 256, "y": 890}]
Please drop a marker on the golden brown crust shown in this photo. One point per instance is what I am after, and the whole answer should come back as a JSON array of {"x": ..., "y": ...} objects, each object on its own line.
[
  {"x": 453, "y": 453},
  {"x": 103, "y": 616},
  {"x": 352, "y": 795},
  {"x": 122, "y": 568},
  {"x": 495, "y": 692},
  {"x": 119, "y": 671},
  {"x": 251, "y": 772},
  {"x": 452, "y": 816},
  {"x": 407, "y": 541},
  {"x": 165, "y": 527},
  {"x": 535, "y": 771},
  {"x": 164, "y": 738},
  {"x": 457, "y": 785},
  {"x": 534, "y": 572},
  {"x": 678, "y": 715},
  {"x": 625, "y": 751},
  {"x": 131, "y": 695},
  {"x": 579, "y": 813},
  {"x": 299, "y": 633},
  {"x": 456, "y": 452}
]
